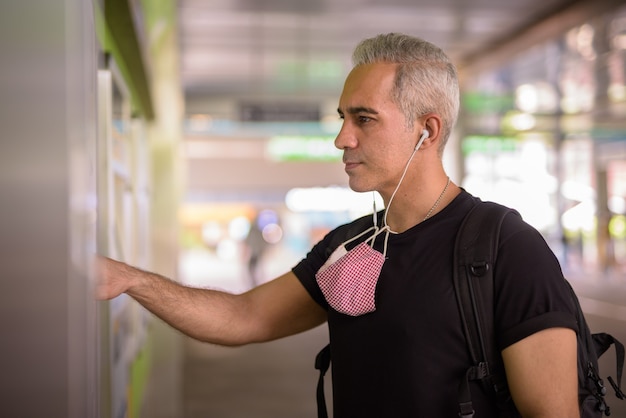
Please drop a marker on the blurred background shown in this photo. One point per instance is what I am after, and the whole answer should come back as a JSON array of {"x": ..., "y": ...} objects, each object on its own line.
[{"x": 195, "y": 139}]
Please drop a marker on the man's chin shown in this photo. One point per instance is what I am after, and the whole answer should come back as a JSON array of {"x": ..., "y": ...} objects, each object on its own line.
[{"x": 360, "y": 188}]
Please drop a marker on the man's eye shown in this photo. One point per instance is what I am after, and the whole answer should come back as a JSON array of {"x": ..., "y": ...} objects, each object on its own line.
[{"x": 364, "y": 119}]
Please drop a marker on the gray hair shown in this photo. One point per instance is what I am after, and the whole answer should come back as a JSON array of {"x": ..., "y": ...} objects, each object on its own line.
[{"x": 426, "y": 80}]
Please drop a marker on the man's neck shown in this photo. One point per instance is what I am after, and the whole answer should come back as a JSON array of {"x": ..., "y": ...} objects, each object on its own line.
[{"x": 408, "y": 210}]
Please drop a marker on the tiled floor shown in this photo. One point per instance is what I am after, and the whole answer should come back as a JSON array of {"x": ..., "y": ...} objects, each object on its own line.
[{"x": 271, "y": 380}]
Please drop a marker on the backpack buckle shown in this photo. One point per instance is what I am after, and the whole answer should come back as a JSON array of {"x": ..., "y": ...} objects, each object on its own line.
[{"x": 479, "y": 268}]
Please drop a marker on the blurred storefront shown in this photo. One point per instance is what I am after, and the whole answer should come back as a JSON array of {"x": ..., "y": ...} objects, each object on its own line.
[{"x": 546, "y": 134}]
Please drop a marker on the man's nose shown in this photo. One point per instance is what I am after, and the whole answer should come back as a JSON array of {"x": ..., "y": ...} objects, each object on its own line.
[{"x": 345, "y": 138}]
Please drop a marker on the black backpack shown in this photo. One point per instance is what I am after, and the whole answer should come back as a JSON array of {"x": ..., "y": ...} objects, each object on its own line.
[{"x": 474, "y": 254}]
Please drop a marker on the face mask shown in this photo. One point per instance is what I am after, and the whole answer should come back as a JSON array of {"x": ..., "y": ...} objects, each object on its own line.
[{"x": 348, "y": 279}]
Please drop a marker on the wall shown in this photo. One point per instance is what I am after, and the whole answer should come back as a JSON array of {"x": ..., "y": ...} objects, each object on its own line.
[{"x": 47, "y": 215}]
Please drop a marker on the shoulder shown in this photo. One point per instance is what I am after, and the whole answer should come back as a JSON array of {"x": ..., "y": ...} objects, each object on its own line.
[
  {"x": 512, "y": 222},
  {"x": 518, "y": 241},
  {"x": 515, "y": 230}
]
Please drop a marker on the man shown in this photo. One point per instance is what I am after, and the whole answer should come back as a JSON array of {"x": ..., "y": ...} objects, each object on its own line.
[{"x": 398, "y": 349}]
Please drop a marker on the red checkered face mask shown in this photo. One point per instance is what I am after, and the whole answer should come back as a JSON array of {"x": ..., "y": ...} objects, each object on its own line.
[{"x": 348, "y": 278}]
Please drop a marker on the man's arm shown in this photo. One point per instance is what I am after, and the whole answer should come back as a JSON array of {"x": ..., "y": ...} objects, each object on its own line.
[
  {"x": 542, "y": 373},
  {"x": 279, "y": 308}
]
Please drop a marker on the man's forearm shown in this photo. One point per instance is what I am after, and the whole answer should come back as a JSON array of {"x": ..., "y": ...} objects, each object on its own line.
[
  {"x": 207, "y": 315},
  {"x": 275, "y": 309}
]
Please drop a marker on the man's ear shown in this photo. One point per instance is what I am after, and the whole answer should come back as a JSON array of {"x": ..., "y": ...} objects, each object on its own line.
[{"x": 432, "y": 124}]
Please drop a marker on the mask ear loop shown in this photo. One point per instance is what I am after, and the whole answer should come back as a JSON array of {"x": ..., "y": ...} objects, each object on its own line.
[
  {"x": 386, "y": 230},
  {"x": 377, "y": 232},
  {"x": 374, "y": 228}
]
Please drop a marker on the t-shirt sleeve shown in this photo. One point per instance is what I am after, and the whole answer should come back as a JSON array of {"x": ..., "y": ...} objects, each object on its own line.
[
  {"x": 531, "y": 293},
  {"x": 305, "y": 271}
]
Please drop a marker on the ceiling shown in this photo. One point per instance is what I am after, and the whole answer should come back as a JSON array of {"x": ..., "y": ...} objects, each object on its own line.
[
  {"x": 285, "y": 54},
  {"x": 267, "y": 49}
]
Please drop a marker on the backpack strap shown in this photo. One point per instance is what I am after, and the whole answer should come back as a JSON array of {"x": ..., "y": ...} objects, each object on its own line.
[
  {"x": 475, "y": 253},
  {"x": 322, "y": 363}
]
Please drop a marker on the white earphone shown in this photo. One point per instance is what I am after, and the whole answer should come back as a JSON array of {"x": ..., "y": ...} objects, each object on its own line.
[{"x": 425, "y": 134}]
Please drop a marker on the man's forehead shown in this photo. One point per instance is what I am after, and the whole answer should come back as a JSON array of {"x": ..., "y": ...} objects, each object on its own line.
[{"x": 367, "y": 87}]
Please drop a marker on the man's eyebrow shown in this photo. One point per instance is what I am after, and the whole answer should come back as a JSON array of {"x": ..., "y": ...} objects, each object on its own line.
[{"x": 358, "y": 109}]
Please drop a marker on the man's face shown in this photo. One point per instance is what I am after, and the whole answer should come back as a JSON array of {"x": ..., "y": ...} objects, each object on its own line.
[{"x": 374, "y": 136}]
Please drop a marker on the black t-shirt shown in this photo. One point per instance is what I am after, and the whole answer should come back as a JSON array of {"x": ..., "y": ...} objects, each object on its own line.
[{"x": 406, "y": 358}]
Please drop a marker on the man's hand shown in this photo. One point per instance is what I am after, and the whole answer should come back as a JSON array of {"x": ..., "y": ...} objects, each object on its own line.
[{"x": 112, "y": 277}]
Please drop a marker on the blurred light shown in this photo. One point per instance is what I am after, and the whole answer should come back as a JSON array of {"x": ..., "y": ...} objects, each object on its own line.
[
  {"x": 539, "y": 97},
  {"x": 617, "y": 92},
  {"x": 526, "y": 98},
  {"x": 227, "y": 249},
  {"x": 534, "y": 156},
  {"x": 211, "y": 233},
  {"x": 617, "y": 204},
  {"x": 272, "y": 233},
  {"x": 617, "y": 227},
  {"x": 580, "y": 217},
  {"x": 489, "y": 144},
  {"x": 266, "y": 217},
  {"x": 523, "y": 121},
  {"x": 577, "y": 97},
  {"x": 303, "y": 148},
  {"x": 238, "y": 228},
  {"x": 517, "y": 121},
  {"x": 331, "y": 199},
  {"x": 576, "y": 191}
]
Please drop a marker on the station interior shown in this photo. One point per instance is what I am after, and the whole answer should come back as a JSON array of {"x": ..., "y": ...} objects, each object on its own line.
[{"x": 166, "y": 133}]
